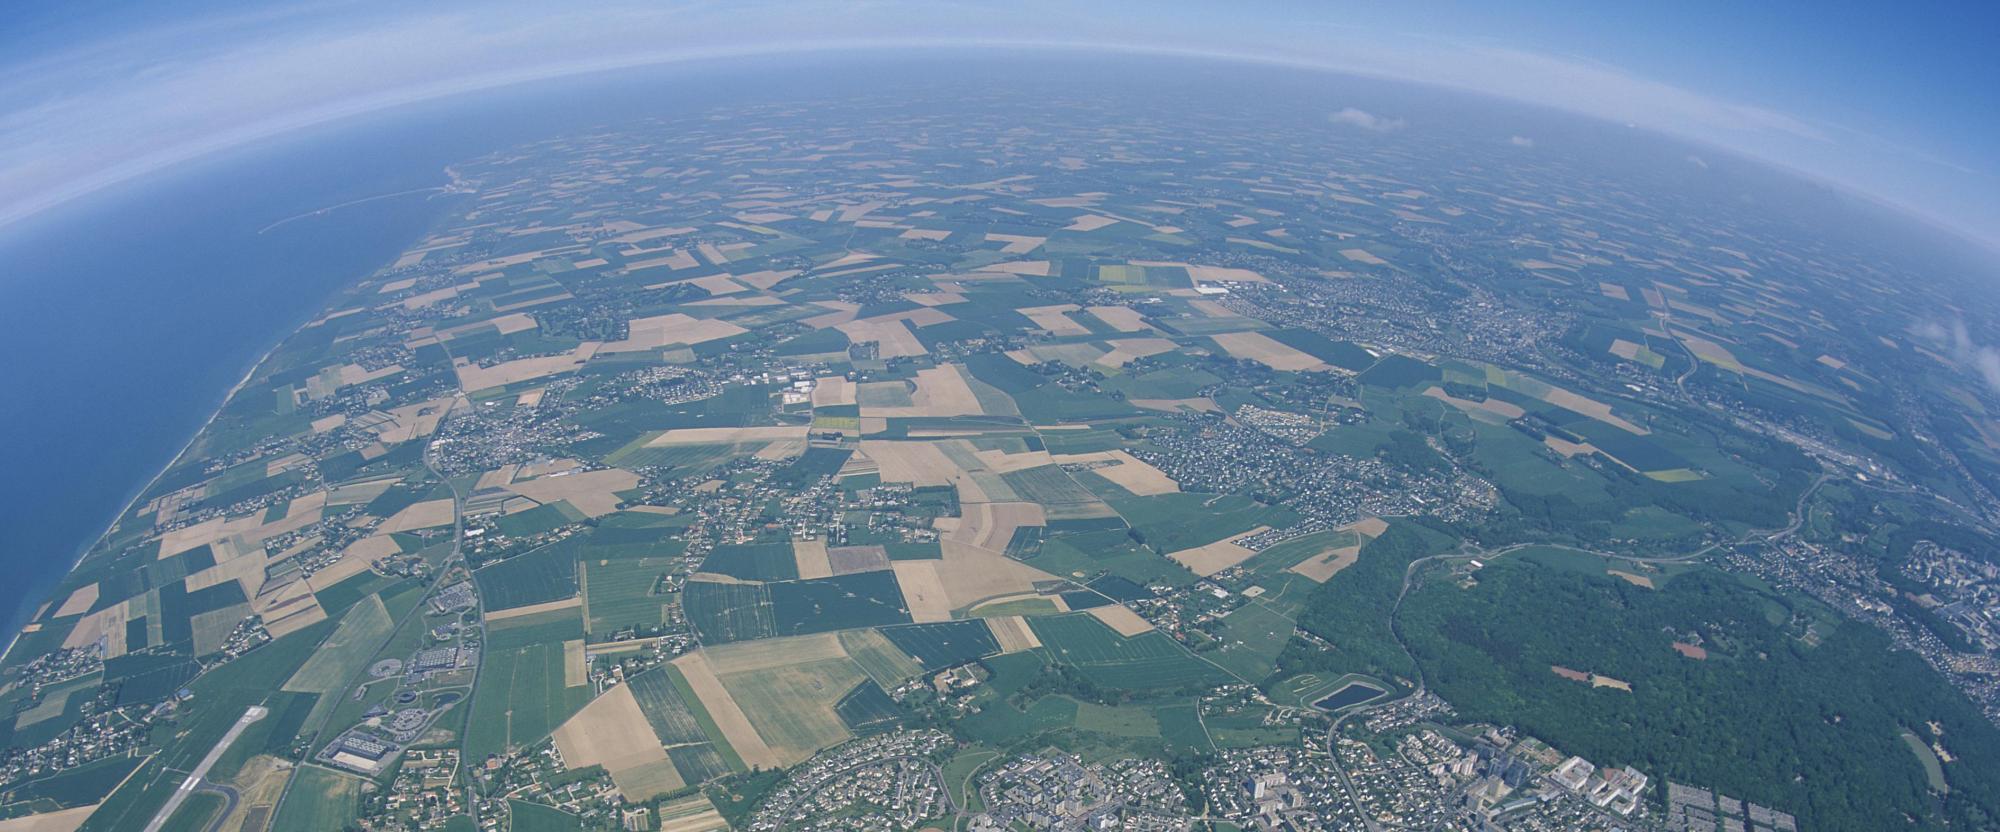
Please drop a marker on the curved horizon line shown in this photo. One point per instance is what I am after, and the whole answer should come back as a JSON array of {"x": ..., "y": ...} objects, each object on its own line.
[{"x": 116, "y": 176}]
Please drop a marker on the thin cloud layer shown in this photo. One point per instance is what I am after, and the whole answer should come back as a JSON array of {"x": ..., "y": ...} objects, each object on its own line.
[
  {"x": 128, "y": 104},
  {"x": 1366, "y": 120}
]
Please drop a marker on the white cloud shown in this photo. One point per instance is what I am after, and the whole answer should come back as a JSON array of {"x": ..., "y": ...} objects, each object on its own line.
[
  {"x": 1521, "y": 141},
  {"x": 1366, "y": 120},
  {"x": 1958, "y": 343}
]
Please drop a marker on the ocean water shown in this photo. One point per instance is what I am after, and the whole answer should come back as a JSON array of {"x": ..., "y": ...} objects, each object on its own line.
[{"x": 125, "y": 319}]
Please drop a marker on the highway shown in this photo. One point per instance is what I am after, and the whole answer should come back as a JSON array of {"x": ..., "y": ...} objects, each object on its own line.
[{"x": 193, "y": 781}]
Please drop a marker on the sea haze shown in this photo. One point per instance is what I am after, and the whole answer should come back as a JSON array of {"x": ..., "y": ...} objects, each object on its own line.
[{"x": 125, "y": 320}]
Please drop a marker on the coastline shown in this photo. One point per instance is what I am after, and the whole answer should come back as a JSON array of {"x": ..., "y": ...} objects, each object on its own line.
[
  {"x": 125, "y": 505},
  {"x": 28, "y": 611}
]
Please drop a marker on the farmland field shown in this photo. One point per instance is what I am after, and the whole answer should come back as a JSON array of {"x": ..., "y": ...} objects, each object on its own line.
[
  {"x": 1149, "y": 661},
  {"x": 522, "y": 697},
  {"x": 621, "y": 593},
  {"x": 841, "y": 602},
  {"x": 729, "y": 612},
  {"x": 944, "y": 644},
  {"x": 320, "y": 800},
  {"x": 544, "y": 575}
]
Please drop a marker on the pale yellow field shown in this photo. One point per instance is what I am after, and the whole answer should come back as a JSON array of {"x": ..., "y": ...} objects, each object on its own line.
[
  {"x": 970, "y": 574},
  {"x": 1215, "y": 557},
  {"x": 576, "y": 664},
  {"x": 1624, "y": 349},
  {"x": 675, "y": 259},
  {"x": 1361, "y": 255},
  {"x": 739, "y": 300},
  {"x": 78, "y": 602},
  {"x": 1127, "y": 471},
  {"x": 1089, "y": 222},
  {"x": 1327, "y": 563},
  {"x": 728, "y": 436},
  {"x": 413, "y": 421},
  {"x": 248, "y": 571},
  {"x": 66, "y": 820},
  {"x": 474, "y": 377},
  {"x": 690, "y": 814},
  {"x": 940, "y": 391},
  {"x": 1199, "y": 405},
  {"x": 1013, "y": 633},
  {"x": 1369, "y": 526},
  {"x": 1016, "y": 243},
  {"x": 1032, "y": 268},
  {"x": 923, "y": 590},
  {"x": 1209, "y": 274},
  {"x": 1126, "y": 350},
  {"x": 1211, "y": 308},
  {"x": 833, "y": 391},
  {"x": 1494, "y": 410},
  {"x": 924, "y": 234},
  {"x": 1001, "y": 462},
  {"x": 919, "y": 463},
  {"x": 571, "y": 602},
  {"x": 990, "y": 526},
  {"x": 428, "y": 514},
  {"x": 765, "y": 279},
  {"x": 722, "y": 708},
  {"x": 612, "y": 732},
  {"x": 1121, "y": 318},
  {"x": 288, "y": 609},
  {"x": 810, "y": 558},
  {"x": 892, "y": 338},
  {"x": 591, "y": 492},
  {"x": 105, "y": 626},
  {"x": 944, "y": 298},
  {"x": 1264, "y": 350},
  {"x": 1051, "y": 318},
  {"x": 676, "y": 328},
  {"x": 1635, "y": 580},
  {"x": 1121, "y": 618}
]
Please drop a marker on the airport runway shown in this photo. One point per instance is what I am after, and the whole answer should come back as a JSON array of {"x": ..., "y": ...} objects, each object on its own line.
[{"x": 193, "y": 781}]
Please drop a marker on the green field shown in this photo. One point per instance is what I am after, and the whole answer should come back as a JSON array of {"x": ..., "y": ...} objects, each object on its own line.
[
  {"x": 534, "y": 817},
  {"x": 521, "y": 698},
  {"x": 620, "y": 593},
  {"x": 1148, "y": 661},
  {"x": 1252, "y": 637},
  {"x": 723, "y": 613},
  {"x": 543, "y": 575},
  {"x": 344, "y": 654},
  {"x": 862, "y": 599},
  {"x": 196, "y": 813},
  {"x": 943, "y": 644},
  {"x": 319, "y": 800},
  {"x": 880, "y": 658},
  {"x": 867, "y": 709},
  {"x": 792, "y": 707},
  {"x": 689, "y": 700},
  {"x": 670, "y": 717},
  {"x": 753, "y": 561}
]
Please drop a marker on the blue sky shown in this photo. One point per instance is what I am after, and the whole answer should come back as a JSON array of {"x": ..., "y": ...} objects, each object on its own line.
[{"x": 1896, "y": 101}]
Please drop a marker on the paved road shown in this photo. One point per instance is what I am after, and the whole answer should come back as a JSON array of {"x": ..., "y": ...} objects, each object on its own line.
[
  {"x": 229, "y": 800},
  {"x": 193, "y": 781}
]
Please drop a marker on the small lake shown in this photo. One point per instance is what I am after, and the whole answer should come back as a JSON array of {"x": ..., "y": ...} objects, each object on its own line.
[{"x": 1349, "y": 695}]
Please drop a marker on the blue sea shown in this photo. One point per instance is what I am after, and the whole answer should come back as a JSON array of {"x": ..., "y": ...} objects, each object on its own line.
[{"x": 126, "y": 318}]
